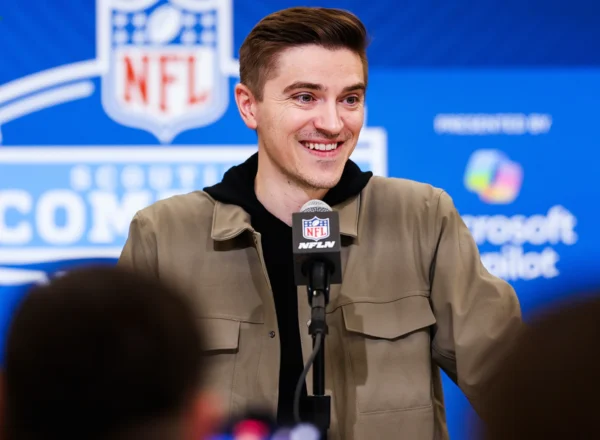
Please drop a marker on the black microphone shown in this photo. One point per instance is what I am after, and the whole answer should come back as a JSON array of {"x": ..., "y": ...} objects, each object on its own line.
[
  {"x": 316, "y": 239},
  {"x": 317, "y": 264}
]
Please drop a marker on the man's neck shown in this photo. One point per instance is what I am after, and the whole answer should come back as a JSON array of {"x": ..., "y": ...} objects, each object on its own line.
[{"x": 281, "y": 196}]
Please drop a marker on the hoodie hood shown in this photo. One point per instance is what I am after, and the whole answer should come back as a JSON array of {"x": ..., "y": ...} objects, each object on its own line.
[{"x": 237, "y": 186}]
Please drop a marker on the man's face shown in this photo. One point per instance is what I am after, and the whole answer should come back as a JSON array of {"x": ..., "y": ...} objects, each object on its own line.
[{"x": 311, "y": 114}]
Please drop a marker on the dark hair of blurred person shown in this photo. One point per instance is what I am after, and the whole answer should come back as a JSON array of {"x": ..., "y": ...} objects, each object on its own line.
[
  {"x": 103, "y": 353},
  {"x": 547, "y": 387}
]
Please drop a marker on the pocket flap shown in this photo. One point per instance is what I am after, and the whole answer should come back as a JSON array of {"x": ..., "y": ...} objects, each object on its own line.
[
  {"x": 389, "y": 320},
  {"x": 220, "y": 334}
]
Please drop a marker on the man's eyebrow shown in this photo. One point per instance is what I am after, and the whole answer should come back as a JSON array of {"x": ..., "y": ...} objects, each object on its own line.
[
  {"x": 303, "y": 85},
  {"x": 355, "y": 87},
  {"x": 318, "y": 87}
]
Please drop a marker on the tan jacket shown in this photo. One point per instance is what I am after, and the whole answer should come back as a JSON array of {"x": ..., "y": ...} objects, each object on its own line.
[{"x": 414, "y": 297}]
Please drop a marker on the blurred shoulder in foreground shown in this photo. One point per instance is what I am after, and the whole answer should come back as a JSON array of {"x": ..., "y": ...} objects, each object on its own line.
[{"x": 546, "y": 388}]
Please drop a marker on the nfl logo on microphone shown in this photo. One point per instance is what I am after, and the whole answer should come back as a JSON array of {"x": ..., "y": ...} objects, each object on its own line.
[{"x": 315, "y": 228}]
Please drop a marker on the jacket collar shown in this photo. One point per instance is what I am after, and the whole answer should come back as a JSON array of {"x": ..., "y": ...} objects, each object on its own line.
[{"x": 229, "y": 221}]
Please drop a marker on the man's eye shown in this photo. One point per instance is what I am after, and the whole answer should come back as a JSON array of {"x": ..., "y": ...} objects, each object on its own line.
[
  {"x": 353, "y": 100},
  {"x": 304, "y": 98}
]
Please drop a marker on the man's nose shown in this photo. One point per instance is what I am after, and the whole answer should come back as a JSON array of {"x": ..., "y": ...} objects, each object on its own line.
[{"x": 329, "y": 120}]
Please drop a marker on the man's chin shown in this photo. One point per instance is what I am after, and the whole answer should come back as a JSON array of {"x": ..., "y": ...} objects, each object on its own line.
[{"x": 321, "y": 184}]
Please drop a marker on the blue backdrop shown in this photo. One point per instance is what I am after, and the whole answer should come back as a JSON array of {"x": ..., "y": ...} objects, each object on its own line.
[{"x": 496, "y": 102}]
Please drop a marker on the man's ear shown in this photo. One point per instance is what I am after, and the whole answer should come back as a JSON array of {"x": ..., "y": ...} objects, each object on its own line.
[
  {"x": 246, "y": 104},
  {"x": 206, "y": 416}
]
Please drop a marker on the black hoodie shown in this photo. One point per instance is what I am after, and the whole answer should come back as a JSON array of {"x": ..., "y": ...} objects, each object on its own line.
[{"x": 237, "y": 187}]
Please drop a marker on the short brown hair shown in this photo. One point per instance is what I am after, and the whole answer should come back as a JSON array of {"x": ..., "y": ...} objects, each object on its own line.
[
  {"x": 97, "y": 352},
  {"x": 298, "y": 26}
]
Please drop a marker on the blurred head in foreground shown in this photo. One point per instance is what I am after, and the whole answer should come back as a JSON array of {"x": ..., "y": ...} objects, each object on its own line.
[
  {"x": 102, "y": 353},
  {"x": 546, "y": 389}
]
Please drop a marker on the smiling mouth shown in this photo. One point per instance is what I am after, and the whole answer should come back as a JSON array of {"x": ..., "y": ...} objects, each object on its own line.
[{"x": 326, "y": 146}]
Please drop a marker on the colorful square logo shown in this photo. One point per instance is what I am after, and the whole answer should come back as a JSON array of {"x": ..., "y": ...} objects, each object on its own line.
[{"x": 493, "y": 176}]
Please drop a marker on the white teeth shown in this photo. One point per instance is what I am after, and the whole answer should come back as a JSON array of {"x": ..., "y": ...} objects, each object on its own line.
[{"x": 321, "y": 147}]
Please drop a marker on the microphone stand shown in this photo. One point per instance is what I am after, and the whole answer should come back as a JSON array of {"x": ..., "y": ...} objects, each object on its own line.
[{"x": 318, "y": 297}]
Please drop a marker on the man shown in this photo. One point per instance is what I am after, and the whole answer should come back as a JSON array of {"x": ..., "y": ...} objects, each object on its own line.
[
  {"x": 101, "y": 353},
  {"x": 414, "y": 296}
]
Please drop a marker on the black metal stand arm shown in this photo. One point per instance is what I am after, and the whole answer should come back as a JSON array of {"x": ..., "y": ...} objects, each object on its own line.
[{"x": 319, "y": 405}]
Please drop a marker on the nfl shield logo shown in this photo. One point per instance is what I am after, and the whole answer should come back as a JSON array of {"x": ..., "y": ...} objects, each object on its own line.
[
  {"x": 162, "y": 69},
  {"x": 315, "y": 229}
]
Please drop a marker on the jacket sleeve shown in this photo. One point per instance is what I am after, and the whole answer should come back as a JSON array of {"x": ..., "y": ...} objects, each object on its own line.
[
  {"x": 477, "y": 314},
  {"x": 139, "y": 253}
]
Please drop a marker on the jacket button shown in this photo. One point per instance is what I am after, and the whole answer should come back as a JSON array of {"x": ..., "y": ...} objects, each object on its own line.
[{"x": 271, "y": 334}]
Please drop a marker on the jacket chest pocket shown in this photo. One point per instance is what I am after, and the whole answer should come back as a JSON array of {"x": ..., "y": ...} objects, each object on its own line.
[
  {"x": 221, "y": 345},
  {"x": 388, "y": 349}
]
